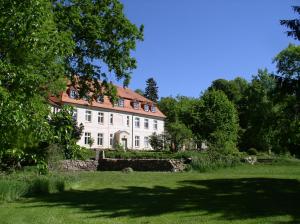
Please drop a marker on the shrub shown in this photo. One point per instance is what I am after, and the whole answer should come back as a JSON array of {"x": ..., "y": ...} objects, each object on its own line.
[
  {"x": 213, "y": 160},
  {"x": 252, "y": 152}
]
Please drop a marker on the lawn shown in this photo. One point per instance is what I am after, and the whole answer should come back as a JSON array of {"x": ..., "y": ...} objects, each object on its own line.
[{"x": 245, "y": 194}]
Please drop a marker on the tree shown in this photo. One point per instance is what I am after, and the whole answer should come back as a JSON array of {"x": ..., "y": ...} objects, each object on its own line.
[
  {"x": 31, "y": 68},
  {"x": 104, "y": 39},
  {"x": 293, "y": 25},
  {"x": 179, "y": 134},
  {"x": 43, "y": 43},
  {"x": 215, "y": 121},
  {"x": 66, "y": 131},
  {"x": 151, "y": 91},
  {"x": 157, "y": 141},
  {"x": 139, "y": 91}
]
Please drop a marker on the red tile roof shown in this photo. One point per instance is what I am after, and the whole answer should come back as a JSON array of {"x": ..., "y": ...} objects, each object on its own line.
[{"x": 125, "y": 93}]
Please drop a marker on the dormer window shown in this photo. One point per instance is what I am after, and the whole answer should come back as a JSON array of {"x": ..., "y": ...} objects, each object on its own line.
[
  {"x": 146, "y": 107},
  {"x": 100, "y": 99},
  {"x": 121, "y": 102},
  {"x": 153, "y": 108},
  {"x": 136, "y": 105},
  {"x": 73, "y": 94}
]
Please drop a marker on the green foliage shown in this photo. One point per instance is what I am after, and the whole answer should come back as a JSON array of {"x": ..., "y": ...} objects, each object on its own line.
[
  {"x": 151, "y": 91},
  {"x": 293, "y": 25},
  {"x": 157, "y": 141},
  {"x": 179, "y": 135},
  {"x": 213, "y": 160},
  {"x": 216, "y": 121},
  {"x": 101, "y": 33},
  {"x": 17, "y": 185},
  {"x": 252, "y": 151},
  {"x": 67, "y": 132}
]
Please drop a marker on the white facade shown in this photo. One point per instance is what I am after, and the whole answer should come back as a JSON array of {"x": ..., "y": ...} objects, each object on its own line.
[{"x": 109, "y": 127}]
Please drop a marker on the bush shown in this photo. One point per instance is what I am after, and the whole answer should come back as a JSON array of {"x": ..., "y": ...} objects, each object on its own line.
[
  {"x": 252, "y": 152},
  {"x": 213, "y": 160}
]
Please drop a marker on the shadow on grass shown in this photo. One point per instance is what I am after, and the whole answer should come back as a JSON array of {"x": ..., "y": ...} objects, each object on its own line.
[{"x": 234, "y": 199}]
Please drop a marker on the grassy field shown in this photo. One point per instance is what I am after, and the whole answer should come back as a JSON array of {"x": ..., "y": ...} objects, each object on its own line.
[{"x": 245, "y": 194}]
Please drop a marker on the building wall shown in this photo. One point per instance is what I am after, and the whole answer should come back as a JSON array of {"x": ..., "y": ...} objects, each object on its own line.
[{"x": 119, "y": 127}]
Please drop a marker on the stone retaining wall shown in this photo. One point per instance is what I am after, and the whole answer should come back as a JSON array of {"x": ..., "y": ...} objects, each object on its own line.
[
  {"x": 78, "y": 165},
  {"x": 141, "y": 164},
  {"x": 119, "y": 164}
]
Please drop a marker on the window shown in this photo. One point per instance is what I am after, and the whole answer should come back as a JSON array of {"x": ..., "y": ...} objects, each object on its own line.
[
  {"x": 73, "y": 94},
  {"x": 153, "y": 108},
  {"x": 100, "y": 99},
  {"x": 137, "y": 122},
  {"x": 111, "y": 120},
  {"x": 146, "y": 142},
  {"x": 87, "y": 138},
  {"x": 136, "y": 105},
  {"x": 88, "y": 115},
  {"x": 155, "y": 124},
  {"x": 100, "y": 139},
  {"x": 75, "y": 114},
  {"x": 137, "y": 141},
  {"x": 128, "y": 121},
  {"x": 121, "y": 102},
  {"x": 111, "y": 139},
  {"x": 100, "y": 118},
  {"x": 146, "y": 123},
  {"x": 146, "y": 107},
  {"x": 55, "y": 110}
]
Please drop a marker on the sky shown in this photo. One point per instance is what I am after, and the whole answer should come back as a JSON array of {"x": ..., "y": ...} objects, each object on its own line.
[{"x": 189, "y": 43}]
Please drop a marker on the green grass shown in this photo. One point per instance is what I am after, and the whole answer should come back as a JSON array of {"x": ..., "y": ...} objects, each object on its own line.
[{"x": 243, "y": 194}]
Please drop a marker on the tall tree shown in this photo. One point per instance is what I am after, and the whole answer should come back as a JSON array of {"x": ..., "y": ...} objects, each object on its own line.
[
  {"x": 151, "y": 91},
  {"x": 215, "y": 121},
  {"x": 104, "y": 39},
  {"x": 293, "y": 25},
  {"x": 44, "y": 42}
]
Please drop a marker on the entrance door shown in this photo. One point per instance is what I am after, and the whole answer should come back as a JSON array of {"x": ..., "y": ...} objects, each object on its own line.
[{"x": 124, "y": 143}]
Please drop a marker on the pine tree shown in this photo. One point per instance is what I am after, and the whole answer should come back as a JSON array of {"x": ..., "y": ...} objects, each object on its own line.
[{"x": 151, "y": 91}]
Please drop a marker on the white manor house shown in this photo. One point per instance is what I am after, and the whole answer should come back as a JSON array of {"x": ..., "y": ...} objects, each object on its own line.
[{"x": 129, "y": 123}]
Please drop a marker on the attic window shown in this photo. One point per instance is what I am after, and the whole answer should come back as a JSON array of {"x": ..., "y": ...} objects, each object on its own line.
[
  {"x": 121, "y": 102},
  {"x": 153, "y": 108},
  {"x": 100, "y": 99},
  {"x": 146, "y": 107},
  {"x": 136, "y": 104},
  {"x": 73, "y": 94}
]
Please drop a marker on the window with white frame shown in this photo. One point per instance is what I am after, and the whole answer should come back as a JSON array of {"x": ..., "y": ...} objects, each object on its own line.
[
  {"x": 111, "y": 119},
  {"x": 87, "y": 138},
  {"x": 100, "y": 139},
  {"x": 155, "y": 124},
  {"x": 146, "y": 123},
  {"x": 73, "y": 94},
  {"x": 100, "y": 117},
  {"x": 137, "y": 141},
  {"x": 100, "y": 99},
  {"x": 88, "y": 115},
  {"x": 111, "y": 139},
  {"x": 146, "y": 142},
  {"x": 128, "y": 121},
  {"x": 146, "y": 107},
  {"x": 153, "y": 108},
  {"x": 121, "y": 102},
  {"x": 136, "y": 104},
  {"x": 74, "y": 115},
  {"x": 137, "y": 122}
]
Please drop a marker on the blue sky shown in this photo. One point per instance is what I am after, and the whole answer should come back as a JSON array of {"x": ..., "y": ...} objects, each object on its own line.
[{"x": 190, "y": 43}]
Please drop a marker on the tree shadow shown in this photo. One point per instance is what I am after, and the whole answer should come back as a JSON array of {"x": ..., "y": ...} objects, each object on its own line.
[{"x": 234, "y": 199}]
